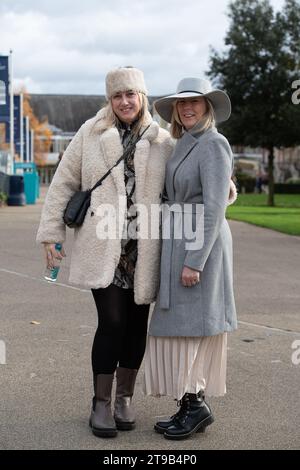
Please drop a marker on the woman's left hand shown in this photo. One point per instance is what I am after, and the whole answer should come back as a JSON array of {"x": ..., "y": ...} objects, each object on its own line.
[{"x": 190, "y": 277}]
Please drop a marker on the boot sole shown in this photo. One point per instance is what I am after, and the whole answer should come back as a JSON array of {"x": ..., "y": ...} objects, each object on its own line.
[
  {"x": 199, "y": 428},
  {"x": 103, "y": 432},
  {"x": 123, "y": 426},
  {"x": 160, "y": 430}
]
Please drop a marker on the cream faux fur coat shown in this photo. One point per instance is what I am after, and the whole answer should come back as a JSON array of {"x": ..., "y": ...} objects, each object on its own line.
[{"x": 91, "y": 153}]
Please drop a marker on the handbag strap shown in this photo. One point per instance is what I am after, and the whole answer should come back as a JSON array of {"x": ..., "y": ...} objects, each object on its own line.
[{"x": 127, "y": 151}]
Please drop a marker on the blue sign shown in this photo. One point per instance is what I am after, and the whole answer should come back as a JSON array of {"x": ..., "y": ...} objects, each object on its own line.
[
  {"x": 4, "y": 84},
  {"x": 18, "y": 115},
  {"x": 31, "y": 145},
  {"x": 26, "y": 156}
]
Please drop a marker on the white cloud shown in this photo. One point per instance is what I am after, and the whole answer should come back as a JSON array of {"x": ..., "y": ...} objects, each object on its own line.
[
  {"x": 68, "y": 46},
  {"x": 28, "y": 84}
]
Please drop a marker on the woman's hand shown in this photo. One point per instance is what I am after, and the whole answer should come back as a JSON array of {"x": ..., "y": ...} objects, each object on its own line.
[
  {"x": 189, "y": 277},
  {"x": 232, "y": 193},
  {"x": 51, "y": 254}
]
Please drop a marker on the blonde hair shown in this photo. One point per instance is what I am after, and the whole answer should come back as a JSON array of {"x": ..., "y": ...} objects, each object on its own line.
[
  {"x": 208, "y": 120},
  {"x": 112, "y": 120}
]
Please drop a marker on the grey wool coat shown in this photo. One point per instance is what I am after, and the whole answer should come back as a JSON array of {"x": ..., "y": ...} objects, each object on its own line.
[{"x": 198, "y": 172}]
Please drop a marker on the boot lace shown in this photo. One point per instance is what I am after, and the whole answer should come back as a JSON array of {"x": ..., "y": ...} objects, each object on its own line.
[
  {"x": 181, "y": 415},
  {"x": 182, "y": 404}
]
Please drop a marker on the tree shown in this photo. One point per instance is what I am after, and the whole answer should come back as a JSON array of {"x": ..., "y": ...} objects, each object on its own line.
[
  {"x": 42, "y": 133},
  {"x": 257, "y": 69}
]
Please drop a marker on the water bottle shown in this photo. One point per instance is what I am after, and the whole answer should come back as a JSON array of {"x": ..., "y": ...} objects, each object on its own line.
[{"x": 51, "y": 273}]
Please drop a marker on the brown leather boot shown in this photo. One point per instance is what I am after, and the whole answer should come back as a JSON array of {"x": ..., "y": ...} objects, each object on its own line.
[
  {"x": 101, "y": 421},
  {"x": 124, "y": 414}
]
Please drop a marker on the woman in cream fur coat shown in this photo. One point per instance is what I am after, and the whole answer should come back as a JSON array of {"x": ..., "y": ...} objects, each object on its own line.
[{"x": 122, "y": 272}]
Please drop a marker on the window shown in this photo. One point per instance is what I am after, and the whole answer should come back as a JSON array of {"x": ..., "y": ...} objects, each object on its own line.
[{"x": 2, "y": 92}]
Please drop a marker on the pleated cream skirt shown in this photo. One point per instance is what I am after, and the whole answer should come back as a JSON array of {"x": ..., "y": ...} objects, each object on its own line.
[{"x": 178, "y": 365}]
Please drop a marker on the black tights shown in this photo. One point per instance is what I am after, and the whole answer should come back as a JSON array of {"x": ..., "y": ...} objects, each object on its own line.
[{"x": 120, "y": 338}]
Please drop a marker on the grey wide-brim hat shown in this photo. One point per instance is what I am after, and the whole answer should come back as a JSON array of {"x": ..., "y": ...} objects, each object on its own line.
[{"x": 195, "y": 87}]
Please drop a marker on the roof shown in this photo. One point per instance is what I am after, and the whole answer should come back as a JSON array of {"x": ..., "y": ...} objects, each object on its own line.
[{"x": 67, "y": 112}]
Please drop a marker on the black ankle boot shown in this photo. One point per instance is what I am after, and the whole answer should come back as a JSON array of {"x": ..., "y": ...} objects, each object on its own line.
[
  {"x": 195, "y": 417},
  {"x": 162, "y": 426}
]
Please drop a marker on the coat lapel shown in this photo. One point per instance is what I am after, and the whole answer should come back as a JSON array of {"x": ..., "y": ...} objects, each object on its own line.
[
  {"x": 112, "y": 150},
  {"x": 141, "y": 156},
  {"x": 182, "y": 149}
]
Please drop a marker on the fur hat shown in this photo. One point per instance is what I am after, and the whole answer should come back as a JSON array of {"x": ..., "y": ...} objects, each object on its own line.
[{"x": 123, "y": 79}]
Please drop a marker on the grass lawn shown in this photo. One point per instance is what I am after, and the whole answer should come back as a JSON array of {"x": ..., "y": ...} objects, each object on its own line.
[{"x": 252, "y": 208}]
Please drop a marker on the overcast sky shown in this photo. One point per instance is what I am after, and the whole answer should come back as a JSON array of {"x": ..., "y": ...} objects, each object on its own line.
[{"x": 68, "y": 46}]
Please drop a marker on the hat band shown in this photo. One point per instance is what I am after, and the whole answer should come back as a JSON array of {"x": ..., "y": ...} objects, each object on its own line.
[{"x": 190, "y": 91}]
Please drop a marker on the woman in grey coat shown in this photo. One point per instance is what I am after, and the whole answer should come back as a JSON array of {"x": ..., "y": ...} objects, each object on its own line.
[{"x": 195, "y": 308}]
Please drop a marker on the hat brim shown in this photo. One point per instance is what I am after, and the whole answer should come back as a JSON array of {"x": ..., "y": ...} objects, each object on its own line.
[{"x": 218, "y": 98}]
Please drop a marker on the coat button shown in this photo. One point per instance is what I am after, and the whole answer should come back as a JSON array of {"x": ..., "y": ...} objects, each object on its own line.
[{"x": 92, "y": 213}]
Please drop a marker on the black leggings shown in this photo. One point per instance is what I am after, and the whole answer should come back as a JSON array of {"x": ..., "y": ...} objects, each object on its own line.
[{"x": 120, "y": 338}]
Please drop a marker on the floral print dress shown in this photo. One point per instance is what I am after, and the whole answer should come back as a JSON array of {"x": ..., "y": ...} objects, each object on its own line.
[{"x": 124, "y": 274}]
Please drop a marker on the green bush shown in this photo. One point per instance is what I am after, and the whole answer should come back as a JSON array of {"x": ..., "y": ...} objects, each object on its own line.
[
  {"x": 285, "y": 188},
  {"x": 293, "y": 181},
  {"x": 3, "y": 198}
]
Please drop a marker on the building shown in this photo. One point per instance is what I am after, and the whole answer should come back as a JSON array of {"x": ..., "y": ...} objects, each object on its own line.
[{"x": 66, "y": 113}]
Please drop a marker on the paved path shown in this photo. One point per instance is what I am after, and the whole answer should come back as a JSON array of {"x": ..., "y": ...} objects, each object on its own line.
[{"x": 45, "y": 385}]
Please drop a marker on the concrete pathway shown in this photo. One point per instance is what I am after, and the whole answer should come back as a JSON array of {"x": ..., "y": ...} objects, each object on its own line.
[{"x": 46, "y": 382}]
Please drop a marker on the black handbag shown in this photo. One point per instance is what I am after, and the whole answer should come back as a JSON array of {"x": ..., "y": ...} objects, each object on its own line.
[
  {"x": 79, "y": 203},
  {"x": 76, "y": 208}
]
